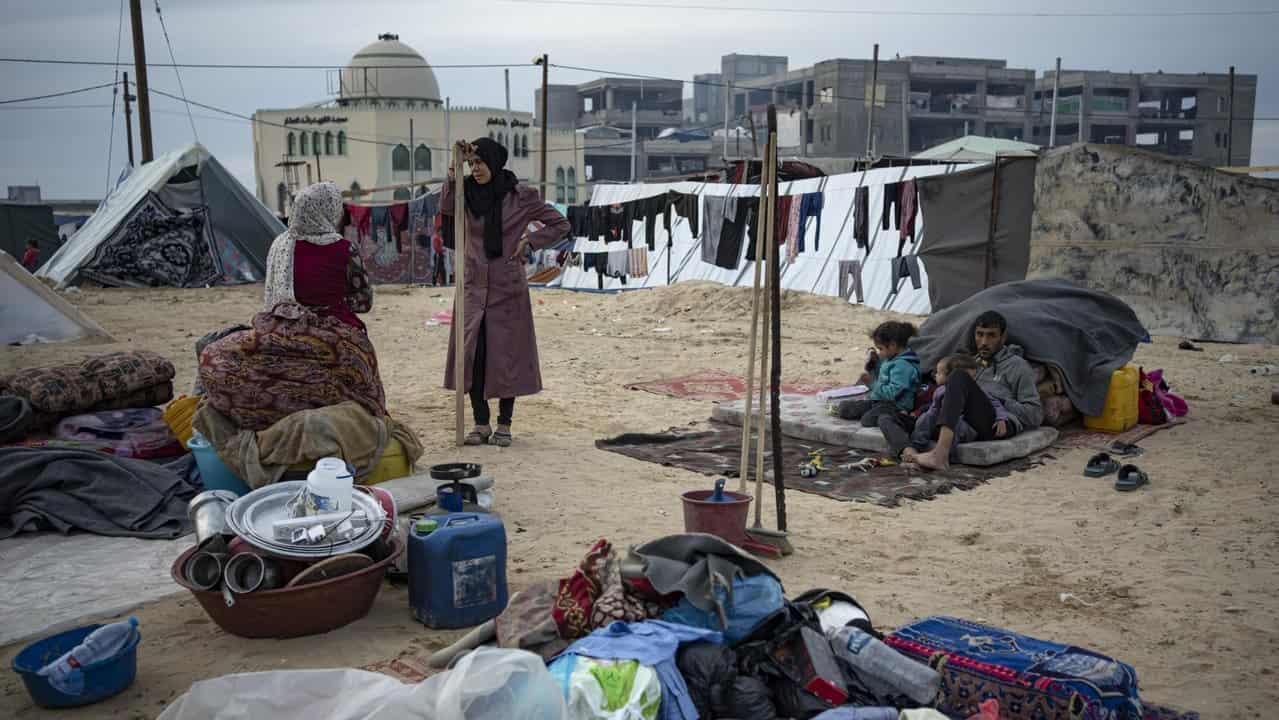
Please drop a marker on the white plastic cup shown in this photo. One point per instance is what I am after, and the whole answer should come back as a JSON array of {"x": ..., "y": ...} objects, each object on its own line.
[{"x": 329, "y": 487}]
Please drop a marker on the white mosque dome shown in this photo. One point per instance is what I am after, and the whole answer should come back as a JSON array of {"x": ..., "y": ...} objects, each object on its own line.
[{"x": 389, "y": 69}]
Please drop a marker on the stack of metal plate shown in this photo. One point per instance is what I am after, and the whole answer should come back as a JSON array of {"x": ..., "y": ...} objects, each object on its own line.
[{"x": 253, "y": 518}]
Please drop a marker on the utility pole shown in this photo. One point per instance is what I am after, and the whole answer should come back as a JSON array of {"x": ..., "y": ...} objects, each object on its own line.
[
  {"x": 874, "y": 86},
  {"x": 140, "y": 67},
  {"x": 905, "y": 118},
  {"x": 1230, "y": 122},
  {"x": 412, "y": 191},
  {"x": 448, "y": 136},
  {"x": 128, "y": 120},
  {"x": 546, "y": 66},
  {"x": 510, "y": 125},
  {"x": 1052, "y": 122},
  {"x": 634, "y": 137},
  {"x": 728, "y": 96}
]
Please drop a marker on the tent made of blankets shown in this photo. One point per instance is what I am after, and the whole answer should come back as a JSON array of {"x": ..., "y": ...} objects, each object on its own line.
[
  {"x": 1085, "y": 335},
  {"x": 972, "y": 227},
  {"x": 33, "y": 312},
  {"x": 180, "y": 220}
]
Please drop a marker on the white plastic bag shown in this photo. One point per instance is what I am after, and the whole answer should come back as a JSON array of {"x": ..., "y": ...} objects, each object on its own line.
[
  {"x": 576, "y": 677},
  {"x": 487, "y": 683}
]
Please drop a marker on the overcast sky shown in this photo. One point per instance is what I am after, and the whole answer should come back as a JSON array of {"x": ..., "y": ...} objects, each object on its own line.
[{"x": 65, "y": 149}]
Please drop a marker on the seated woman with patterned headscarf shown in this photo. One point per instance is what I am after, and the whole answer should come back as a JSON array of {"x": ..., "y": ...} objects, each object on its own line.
[{"x": 306, "y": 348}]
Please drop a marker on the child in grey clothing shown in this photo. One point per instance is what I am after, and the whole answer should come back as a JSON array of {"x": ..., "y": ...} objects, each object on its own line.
[{"x": 926, "y": 429}]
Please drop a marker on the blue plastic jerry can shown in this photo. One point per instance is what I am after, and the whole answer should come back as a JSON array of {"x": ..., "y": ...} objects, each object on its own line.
[{"x": 457, "y": 569}]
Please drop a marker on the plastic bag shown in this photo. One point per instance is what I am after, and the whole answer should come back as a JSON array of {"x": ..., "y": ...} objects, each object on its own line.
[
  {"x": 487, "y": 683},
  {"x": 607, "y": 689},
  {"x": 710, "y": 672},
  {"x": 754, "y": 598}
]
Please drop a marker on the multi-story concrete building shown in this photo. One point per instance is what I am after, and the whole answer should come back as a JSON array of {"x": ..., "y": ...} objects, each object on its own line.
[
  {"x": 1176, "y": 114},
  {"x": 918, "y": 102},
  {"x": 388, "y": 126},
  {"x": 710, "y": 89}
]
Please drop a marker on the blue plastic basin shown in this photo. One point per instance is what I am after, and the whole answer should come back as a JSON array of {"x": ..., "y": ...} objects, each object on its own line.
[{"x": 102, "y": 679}]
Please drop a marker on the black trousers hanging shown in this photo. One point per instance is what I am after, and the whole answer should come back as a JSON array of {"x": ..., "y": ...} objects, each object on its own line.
[{"x": 479, "y": 406}]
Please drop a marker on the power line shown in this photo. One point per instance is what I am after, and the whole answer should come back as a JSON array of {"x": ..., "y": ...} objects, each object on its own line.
[
  {"x": 251, "y": 66},
  {"x": 57, "y": 94},
  {"x": 115, "y": 91},
  {"x": 903, "y": 13},
  {"x": 182, "y": 89}
]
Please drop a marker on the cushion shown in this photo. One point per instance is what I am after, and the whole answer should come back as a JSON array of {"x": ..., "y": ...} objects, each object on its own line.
[{"x": 806, "y": 417}]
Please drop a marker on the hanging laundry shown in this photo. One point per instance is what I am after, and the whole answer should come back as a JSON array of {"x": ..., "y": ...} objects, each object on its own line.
[
  {"x": 719, "y": 211},
  {"x": 910, "y": 207},
  {"x": 908, "y": 266},
  {"x": 810, "y": 207},
  {"x": 729, "y": 253},
  {"x": 686, "y": 205},
  {"x": 892, "y": 205},
  {"x": 639, "y": 262},
  {"x": 361, "y": 216},
  {"x": 648, "y": 210},
  {"x": 619, "y": 263},
  {"x": 861, "y": 216},
  {"x": 579, "y": 219},
  {"x": 782, "y": 221},
  {"x": 850, "y": 280},
  {"x": 617, "y": 224},
  {"x": 792, "y": 231},
  {"x": 378, "y": 221},
  {"x": 754, "y": 222},
  {"x": 399, "y": 223}
]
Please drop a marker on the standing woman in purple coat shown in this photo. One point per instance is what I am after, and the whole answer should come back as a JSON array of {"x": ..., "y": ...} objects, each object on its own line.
[{"x": 501, "y": 347}]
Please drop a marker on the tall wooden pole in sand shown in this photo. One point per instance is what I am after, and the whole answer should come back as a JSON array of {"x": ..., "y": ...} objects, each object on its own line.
[{"x": 459, "y": 290}]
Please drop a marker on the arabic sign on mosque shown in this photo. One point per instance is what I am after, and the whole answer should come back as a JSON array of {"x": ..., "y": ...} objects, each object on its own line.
[{"x": 312, "y": 120}]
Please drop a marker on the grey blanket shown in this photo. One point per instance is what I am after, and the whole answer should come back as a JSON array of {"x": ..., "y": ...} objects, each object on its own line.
[
  {"x": 65, "y": 489},
  {"x": 1085, "y": 334},
  {"x": 694, "y": 564}
]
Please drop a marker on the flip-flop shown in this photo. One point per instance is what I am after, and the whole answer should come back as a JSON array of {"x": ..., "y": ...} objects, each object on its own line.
[
  {"x": 502, "y": 438},
  {"x": 1131, "y": 478},
  {"x": 1100, "y": 465},
  {"x": 1125, "y": 449},
  {"x": 475, "y": 437}
]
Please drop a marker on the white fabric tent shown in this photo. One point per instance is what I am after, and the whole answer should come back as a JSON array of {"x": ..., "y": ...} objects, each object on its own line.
[
  {"x": 816, "y": 270},
  {"x": 239, "y": 228},
  {"x": 975, "y": 148},
  {"x": 34, "y": 313}
]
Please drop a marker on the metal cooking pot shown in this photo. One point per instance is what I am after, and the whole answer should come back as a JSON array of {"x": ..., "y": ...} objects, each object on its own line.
[
  {"x": 208, "y": 513},
  {"x": 248, "y": 572}
]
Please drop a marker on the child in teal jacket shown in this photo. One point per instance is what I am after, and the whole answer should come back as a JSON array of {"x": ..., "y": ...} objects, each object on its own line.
[{"x": 894, "y": 368}]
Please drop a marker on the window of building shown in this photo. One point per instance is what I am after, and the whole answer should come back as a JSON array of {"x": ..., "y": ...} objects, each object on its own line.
[
  {"x": 304, "y": 145},
  {"x": 826, "y": 96},
  {"x": 399, "y": 159},
  {"x": 1221, "y": 103},
  {"x": 290, "y": 145},
  {"x": 560, "y": 191},
  {"x": 572, "y": 186},
  {"x": 422, "y": 159},
  {"x": 315, "y": 142},
  {"x": 524, "y": 144},
  {"x": 341, "y": 142},
  {"x": 282, "y": 198},
  {"x": 328, "y": 143}
]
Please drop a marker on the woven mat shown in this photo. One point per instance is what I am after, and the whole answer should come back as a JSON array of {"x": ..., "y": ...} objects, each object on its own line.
[
  {"x": 718, "y": 386},
  {"x": 1077, "y": 436},
  {"x": 714, "y": 449}
]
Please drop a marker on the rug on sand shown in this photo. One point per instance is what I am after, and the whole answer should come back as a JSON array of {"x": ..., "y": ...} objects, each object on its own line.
[
  {"x": 1078, "y": 436},
  {"x": 714, "y": 449},
  {"x": 718, "y": 386},
  {"x": 411, "y": 668}
]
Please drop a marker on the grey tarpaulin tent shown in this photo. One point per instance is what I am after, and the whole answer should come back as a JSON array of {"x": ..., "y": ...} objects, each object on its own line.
[
  {"x": 978, "y": 228},
  {"x": 1087, "y": 334},
  {"x": 183, "y": 200}
]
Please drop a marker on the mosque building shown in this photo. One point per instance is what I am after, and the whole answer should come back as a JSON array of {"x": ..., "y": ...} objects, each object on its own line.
[{"x": 390, "y": 127}]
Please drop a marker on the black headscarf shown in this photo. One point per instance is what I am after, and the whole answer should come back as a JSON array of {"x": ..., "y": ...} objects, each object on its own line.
[{"x": 485, "y": 201}]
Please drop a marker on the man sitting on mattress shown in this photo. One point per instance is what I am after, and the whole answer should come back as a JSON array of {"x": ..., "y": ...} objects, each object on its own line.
[{"x": 1004, "y": 375}]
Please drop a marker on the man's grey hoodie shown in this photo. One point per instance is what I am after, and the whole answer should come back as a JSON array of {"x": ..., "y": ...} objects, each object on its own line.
[{"x": 1011, "y": 379}]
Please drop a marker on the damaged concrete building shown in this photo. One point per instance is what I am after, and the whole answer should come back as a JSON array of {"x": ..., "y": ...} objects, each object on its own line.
[{"x": 1193, "y": 250}]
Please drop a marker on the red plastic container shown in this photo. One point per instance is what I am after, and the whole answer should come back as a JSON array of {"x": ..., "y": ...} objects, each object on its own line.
[
  {"x": 298, "y": 611},
  {"x": 726, "y": 519}
]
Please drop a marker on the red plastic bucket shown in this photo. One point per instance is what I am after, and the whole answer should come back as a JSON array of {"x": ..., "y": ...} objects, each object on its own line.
[{"x": 725, "y": 519}]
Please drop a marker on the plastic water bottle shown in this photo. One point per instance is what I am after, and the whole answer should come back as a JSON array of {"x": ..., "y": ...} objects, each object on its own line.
[
  {"x": 329, "y": 487},
  {"x": 106, "y": 642},
  {"x": 882, "y": 670}
]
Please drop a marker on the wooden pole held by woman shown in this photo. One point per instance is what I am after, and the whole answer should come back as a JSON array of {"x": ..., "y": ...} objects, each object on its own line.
[{"x": 459, "y": 289}]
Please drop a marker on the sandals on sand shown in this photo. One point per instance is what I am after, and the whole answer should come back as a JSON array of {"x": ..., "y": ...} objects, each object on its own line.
[
  {"x": 502, "y": 438},
  {"x": 1131, "y": 478},
  {"x": 478, "y": 437},
  {"x": 1100, "y": 465}
]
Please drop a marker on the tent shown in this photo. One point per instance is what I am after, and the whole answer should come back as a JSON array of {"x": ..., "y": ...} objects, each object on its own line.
[
  {"x": 835, "y": 264},
  {"x": 33, "y": 311},
  {"x": 974, "y": 148},
  {"x": 181, "y": 220},
  {"x": 20, "y": 222}
]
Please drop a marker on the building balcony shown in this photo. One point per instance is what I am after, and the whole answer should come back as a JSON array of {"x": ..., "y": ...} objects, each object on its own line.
[{"x": 622, "y": 117}]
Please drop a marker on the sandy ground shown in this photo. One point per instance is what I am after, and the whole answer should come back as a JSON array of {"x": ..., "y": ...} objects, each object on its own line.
[{"x": 1180, "y": 579}]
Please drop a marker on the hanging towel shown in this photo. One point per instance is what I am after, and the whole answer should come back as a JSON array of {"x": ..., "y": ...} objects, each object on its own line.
[
  {"x": 639, "y": 262},
  {"x": 792, "y": 231}
]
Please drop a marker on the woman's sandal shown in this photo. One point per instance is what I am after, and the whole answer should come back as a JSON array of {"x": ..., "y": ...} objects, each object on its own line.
[
  {"x": 475, "y": 437},
  {"x": 502, "y": 438}
]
